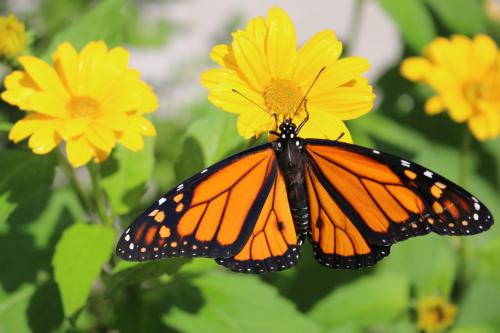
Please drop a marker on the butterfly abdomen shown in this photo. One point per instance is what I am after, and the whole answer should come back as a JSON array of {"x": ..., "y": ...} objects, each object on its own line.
[{"x": 292, "y": 162}]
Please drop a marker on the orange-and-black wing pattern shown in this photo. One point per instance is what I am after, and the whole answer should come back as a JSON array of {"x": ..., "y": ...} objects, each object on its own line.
[
  {"x": 212, "y": 214},
  {"x": 273, "y": 244},
  {"x": 384, "y": 198}
]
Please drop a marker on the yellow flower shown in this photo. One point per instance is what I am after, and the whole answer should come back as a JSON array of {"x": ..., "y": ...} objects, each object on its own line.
[
  {"x": 13, "y": 38},
  {"x": 465, "y": 74},
  {"x": 435, "y": 314},
  {"x": 90, "y": 100},
  {"x": 263, "y": 65}
]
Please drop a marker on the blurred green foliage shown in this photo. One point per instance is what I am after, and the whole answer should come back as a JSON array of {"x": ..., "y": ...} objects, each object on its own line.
[{"x": 59, "y": 272}]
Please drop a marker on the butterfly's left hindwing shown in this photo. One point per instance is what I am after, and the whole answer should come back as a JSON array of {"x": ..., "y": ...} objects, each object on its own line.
[
  {"x": 211, "y": 214},
  {"x": 273, "y": 244}
]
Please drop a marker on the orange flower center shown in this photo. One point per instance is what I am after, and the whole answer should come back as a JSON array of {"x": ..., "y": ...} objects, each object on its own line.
[
  {"x": 83, "y": 107},
  {"x": 283, "y": 97}
]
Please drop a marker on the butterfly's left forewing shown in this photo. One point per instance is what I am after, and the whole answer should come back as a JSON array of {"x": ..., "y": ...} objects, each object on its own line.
[{"x": 211, "y": 214}]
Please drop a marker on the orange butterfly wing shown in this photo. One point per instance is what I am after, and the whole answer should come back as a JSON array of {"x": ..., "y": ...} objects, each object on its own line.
[
  {"x": 385, "y": 199},
  {"x": 273, "y": 244},
  {"x": 337, "y": 243},
  {"x": 212, "y": 214}
]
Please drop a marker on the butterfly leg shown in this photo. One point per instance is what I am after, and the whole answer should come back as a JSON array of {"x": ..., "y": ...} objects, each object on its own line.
[{"x": 303, "y": 121}]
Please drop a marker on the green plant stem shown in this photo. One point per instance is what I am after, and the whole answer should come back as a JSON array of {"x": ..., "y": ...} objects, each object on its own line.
[
  {"x": 95, "y": 177},
  {"x": 75, "y": 185}
]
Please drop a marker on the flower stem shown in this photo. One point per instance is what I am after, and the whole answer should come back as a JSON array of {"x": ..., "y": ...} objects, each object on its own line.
[
  {"x": 70, "y": 173},
  {"x": 95, "y": 177}
]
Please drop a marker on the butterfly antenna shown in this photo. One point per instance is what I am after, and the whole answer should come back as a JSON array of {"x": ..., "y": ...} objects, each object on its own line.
[
  {"x": 308, "y": 90},
  {"x": 248, "y": 99}
]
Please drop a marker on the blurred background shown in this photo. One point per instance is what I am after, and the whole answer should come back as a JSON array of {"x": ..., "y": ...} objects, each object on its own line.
[{"x": 430, "y": 283}]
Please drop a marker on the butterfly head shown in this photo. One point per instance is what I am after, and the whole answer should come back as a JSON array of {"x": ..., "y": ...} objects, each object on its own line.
[{"x": 288, "y": 129}]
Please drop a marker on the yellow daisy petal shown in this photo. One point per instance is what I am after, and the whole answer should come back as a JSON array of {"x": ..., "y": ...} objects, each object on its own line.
[
  {"x": 323, "y": 125},
  {"x": 434, "y": 105},
  {"x": 44, "y": 76},
  {"x": 100, "y": 155},
  {"x": 340, "y": 73},
  {"x": 66, "y": 65},
  {"x": 119, "y": 59},
  {"x": 114, "y": 121},
  {"x": 320, "y": 51},
  {"x": 48, "y": 104},
  {"x": 281, "y": 43},
  {"x": 132, "y": 141},
  {"x": 222, "y": 83},
  {"x": 251, "y": 60},
  {"x": 78, "y": 151},
  {"x": 100, "y": 137},
  {"x": 44, "y": 139},
  {"x": 27, "y": 126},
  {"x": 254, "y": 123},
  {"x": 223, "y": 55},
  {"x": 19, "y": 88},
  {"x": 484, "y": 53},
  {"x": 257, "y": 28},
  {"x": 141, "y": 125},
  {"x": 72, "y": 127},
  {"x": 415, "y": 68}
]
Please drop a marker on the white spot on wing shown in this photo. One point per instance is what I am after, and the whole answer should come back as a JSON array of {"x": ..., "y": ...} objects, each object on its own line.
[
  {"x": 128, "y": 230},
  {"x": 477, "y": 206},
  {"x": 204, "y": 170},
  {"x": 127, "y": 238},
  {"x": 161, "y": 201},
  {"x": 131, "y": 246},
  {"x": 475, "y": 217},
  {"x": 405, "y": 163},
  {"x": 376, "y": 152},
  {"x": 428, "y": 173}
]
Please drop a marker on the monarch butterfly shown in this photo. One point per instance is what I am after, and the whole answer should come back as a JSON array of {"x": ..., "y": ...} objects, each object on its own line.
[{"x": 252, "y": 211}]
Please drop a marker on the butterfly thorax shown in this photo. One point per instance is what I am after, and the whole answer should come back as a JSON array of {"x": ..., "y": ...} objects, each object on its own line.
[{"x": 289, "y": 151}]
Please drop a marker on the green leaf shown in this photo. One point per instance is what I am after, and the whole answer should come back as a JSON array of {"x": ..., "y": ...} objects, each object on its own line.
[
  {"x": 79, "y": 255},
  {"x": 414, "y": 21},
  {"x": 223, "y": 136},
  {"x": 13, "y": 307},
  {"x": 375, "y": 299},
  {"x": 126, "y": 272},
  {"x": 237, "y": 303},
  {"x": 125, "y": 175},
  {"x": 462, "y": 16},
  {"x": 428, "y": 262},
  {"x": 5, "y": 126},
  {"x": 190, "y": 160},
  {"x": 24, "y": 175},
  {"x": 103, "y": 22}
]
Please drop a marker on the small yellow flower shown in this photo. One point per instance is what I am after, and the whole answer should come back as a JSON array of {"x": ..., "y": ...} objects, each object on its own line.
[
  {"x": 465, "y": 74},
  {"x": 435, "y": 314},
  {"x": 90, "y": 100},
  {"x": 13, "y": 38},
  {"x": 264, "y": 65}
]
